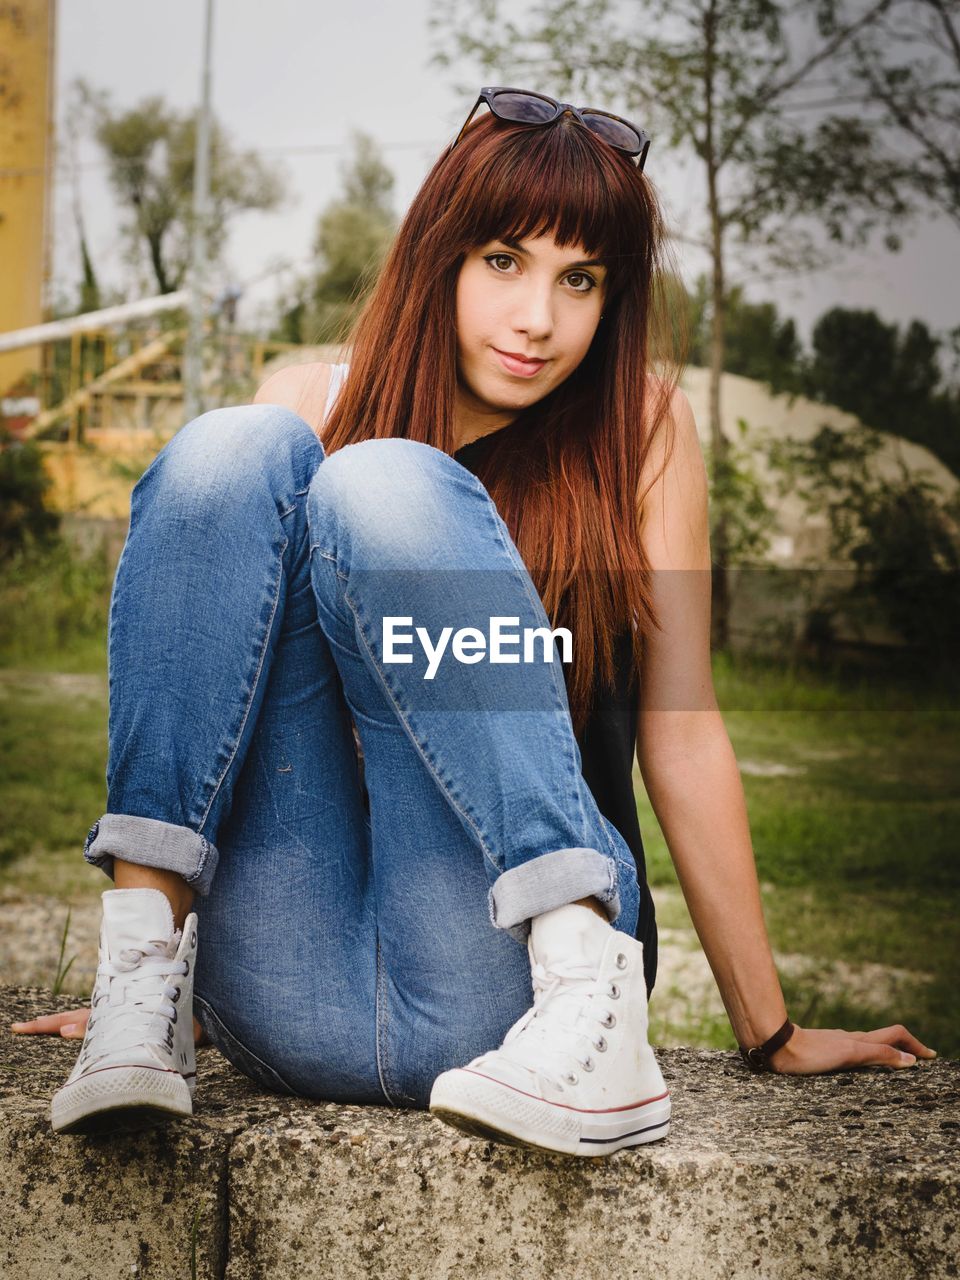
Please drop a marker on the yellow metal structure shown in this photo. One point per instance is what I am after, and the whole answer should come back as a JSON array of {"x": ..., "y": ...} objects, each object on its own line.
[
  {"x": 121, "y": 399},
  {"x": 27, "y": 31}
]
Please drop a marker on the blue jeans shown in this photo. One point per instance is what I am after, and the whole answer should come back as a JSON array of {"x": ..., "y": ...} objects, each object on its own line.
[{"x": 360, "y": 930}]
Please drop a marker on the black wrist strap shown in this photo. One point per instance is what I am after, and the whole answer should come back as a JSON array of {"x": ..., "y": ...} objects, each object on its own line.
[{"x": 757, "y": 1058}]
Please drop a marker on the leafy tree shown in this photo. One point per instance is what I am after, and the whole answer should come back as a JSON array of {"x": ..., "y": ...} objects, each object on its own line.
[
  {"x": 854, "y": 357},
  {"x": 352, "y": 237},
  {"x": 728, "y": 83},
  {"x": 739, "y": 487},
  {"x": 906, "y": 65},
  {"x": 890, "y": 380},
  {"x": 150, "y": 153}
]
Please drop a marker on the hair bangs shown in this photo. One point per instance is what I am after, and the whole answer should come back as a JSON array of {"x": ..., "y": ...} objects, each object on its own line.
[{"x": 560, "y": 181}]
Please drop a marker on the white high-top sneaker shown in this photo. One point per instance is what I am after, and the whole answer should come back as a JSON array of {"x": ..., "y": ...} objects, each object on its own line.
[
  {"x": 575, "y": 1074},
  {"x": 138, "y": 1051}
]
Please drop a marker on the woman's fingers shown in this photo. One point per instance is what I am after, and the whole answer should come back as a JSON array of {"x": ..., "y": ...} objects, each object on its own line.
[
  {"x": 872, "y": 1053},
  {"x": 71, "y": 1024},
  {"x": 900, "y": 1037}
]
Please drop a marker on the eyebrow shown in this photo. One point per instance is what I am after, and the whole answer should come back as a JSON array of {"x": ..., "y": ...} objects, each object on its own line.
[{"x": 587, "y": 262}]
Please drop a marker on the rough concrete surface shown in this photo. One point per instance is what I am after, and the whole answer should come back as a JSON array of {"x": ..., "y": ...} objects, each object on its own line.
[{"x": 853, "y": 1174}]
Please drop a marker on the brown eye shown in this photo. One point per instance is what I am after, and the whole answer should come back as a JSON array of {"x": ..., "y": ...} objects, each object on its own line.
[{"x": 588, "y": 281}]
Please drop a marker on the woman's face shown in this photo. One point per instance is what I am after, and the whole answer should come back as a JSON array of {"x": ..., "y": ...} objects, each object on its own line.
[{"x": 526, "y": 315}]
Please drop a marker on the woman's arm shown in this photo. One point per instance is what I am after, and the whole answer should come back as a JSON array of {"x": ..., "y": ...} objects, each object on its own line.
[
  {"x": 300, "y": 387},
  {"x": 691, "y": 775}
]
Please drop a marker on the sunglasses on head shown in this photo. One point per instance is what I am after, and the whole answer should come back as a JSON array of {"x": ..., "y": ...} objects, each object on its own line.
[{"x": 519, "y": 106}]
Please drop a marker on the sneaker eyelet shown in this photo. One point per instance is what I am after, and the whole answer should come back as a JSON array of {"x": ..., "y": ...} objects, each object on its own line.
[
  {"x": 614, "y": 991},
  {"x": 187, "y": 963},
  {"x": 588, "y": 1064},
  {"x": 621, "y": 961},
  {"x": 610, "y": 1021},
  {"x": 176, "y": 997},
  {"x": 193, "y": 939},
  {"x": 174, "y": 1018},
  {"x": 600, "y": 1045},
  {"x": 571, "y": 1077}
]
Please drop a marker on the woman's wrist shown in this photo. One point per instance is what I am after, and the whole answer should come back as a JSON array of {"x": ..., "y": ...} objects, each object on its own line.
[{"x": 759, "y": 1056}]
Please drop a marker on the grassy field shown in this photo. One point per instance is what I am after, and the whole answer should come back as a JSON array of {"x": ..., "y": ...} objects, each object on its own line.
[
  {"x": 852, "y": 795},
  {"x": 854, "y": 804}
]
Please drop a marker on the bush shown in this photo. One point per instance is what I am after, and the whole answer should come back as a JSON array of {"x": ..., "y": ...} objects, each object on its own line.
[
  {"x": 899, "y": 535},
  {"x": 24, "y": 518}
]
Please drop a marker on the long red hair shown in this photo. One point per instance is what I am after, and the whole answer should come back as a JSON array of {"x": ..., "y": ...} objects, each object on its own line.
[{"x": 565, "y": 474}]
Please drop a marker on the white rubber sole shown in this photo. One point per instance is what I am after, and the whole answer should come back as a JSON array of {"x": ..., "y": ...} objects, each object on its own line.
[
  {"x": 114, "y": 1096},
  {"x": 485, "y": 1108}
]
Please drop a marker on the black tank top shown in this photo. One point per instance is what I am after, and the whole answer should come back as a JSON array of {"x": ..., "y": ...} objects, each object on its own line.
[{"x": 607, "y": 745}]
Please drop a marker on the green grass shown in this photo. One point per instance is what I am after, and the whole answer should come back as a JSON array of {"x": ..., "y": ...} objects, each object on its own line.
[
  {"x": 857, "y": 854},
  {"x": 52, "y": 765},
  {"x": 53, "y": 609}
]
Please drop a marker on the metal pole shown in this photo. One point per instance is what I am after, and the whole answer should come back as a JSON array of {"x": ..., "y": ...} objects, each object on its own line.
[{"x": 193, "y": 355}]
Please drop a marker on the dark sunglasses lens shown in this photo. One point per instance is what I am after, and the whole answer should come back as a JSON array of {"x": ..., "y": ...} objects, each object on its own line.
[
  {"x": 617, "y": 132},
  {"x": 523, "y": 108}
]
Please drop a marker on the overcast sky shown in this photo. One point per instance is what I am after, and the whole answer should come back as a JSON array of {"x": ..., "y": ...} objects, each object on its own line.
[{"x": 292, "y": 78}]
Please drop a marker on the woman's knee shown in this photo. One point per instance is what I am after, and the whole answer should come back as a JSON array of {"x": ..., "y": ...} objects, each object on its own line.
[
  {"x": 236, "y": 451},
  {"x": 394, "y": 496}
]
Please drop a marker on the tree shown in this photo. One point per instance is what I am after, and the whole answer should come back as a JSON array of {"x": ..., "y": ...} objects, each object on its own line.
[
  {"x": 890, "y": 380},
  {"x": 853, "y": 363},
  {"x": 728, "y": 82},
  {"x": 150, "y": 153},
  {"x": 82, "y": 106},
  {"x": 352, "y": 237},
  {"x": 907, "y": 67},
  {"x": 758, "y": 343}
]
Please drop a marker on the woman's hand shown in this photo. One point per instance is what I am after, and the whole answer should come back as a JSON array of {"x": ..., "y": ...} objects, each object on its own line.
[
  {"x": 810, "y": 1051},
  {"x": 73, "y": 1025}
]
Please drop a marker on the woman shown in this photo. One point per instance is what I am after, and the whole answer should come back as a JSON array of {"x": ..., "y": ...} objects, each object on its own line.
[{"x": 363, "y": 915}]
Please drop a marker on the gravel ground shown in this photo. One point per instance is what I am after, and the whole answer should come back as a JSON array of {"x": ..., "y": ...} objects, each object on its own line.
[{"x": 31, "y": 927}]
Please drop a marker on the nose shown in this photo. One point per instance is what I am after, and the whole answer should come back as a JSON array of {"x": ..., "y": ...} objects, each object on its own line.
[{"x": 534, "y": 315}]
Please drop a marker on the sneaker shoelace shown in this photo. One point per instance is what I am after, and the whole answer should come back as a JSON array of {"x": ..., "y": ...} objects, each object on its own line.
[
  {"x": 147, "y": 996},
  {"x": 557, "y": 1037}
]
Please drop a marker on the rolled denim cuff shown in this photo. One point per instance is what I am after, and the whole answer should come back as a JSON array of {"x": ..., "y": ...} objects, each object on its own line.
[
  {"x": 150, "y": 843},
  {"x": 553, "y": 880}
]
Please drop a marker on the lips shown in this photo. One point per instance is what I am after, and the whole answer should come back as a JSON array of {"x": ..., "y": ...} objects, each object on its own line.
[{"x": 519, "y": 364}]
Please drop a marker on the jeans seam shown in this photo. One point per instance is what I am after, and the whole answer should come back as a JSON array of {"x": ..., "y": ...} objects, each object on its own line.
[
  {"x": 381, "y": 1018},
  {"x": 256, "y": 1057},
  {"x": 201, "y": 861},
  {"x": 110, "y": 626},
  {"x": 402, "y": 717},
  {"x": 299, "y": 493},
  {"x": 611, "y": 843},
  {"x": 520, "y": 567},
  {"x": 253, "y": 690}
]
